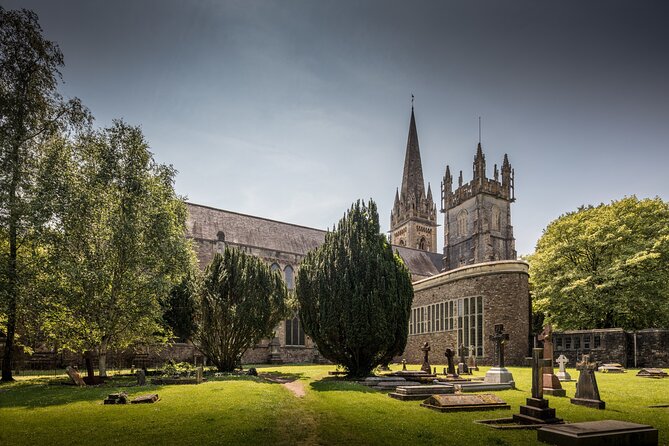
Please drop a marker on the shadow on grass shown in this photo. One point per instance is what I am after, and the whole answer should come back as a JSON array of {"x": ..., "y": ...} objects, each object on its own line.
[
  {"x": 337, "y": 384},
  {"x": 275, "y": 377},
  {"x": 45, "y": 392}
]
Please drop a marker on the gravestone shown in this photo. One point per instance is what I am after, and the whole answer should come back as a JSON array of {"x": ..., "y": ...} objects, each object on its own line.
[
  {"x": 536, "y": 410},
  {"x": 451, "y": 367},
  {"x": 652, "y": 373},
  {"x": 462, "y": 365},
  {"x": 459, "y": 402},
  {"x": 611, "y": 368},
  {"x": 412, "y": 393},
  {"x": 141, "y": 377},
  {"x": 145, "y": 399},
  {"x": 551, "y": 382},
  {"x": 199, "y": 372},
  {"x": 116, "y": 398},
  {"x": 471, "y": 361},
  {"x": 562, "y": 374},
  {"x": 426, "y": 360},
  {"x": 599, "y": 433},
  {"x": 404, "y": 365},
  {"x": 498, "y": 374},
  {"x": 75, "y": 376},
  {"x": 587, "y": 392}
]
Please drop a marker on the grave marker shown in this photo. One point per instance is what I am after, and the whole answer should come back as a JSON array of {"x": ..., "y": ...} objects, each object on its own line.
[
  {"x": 536, "y": 410},
  {"x": 587, "y": 392},
  {"x": 562, "y": 374},
  {"x": 426, "y": 362},
  {"x": 75, "y": 376},
  {"x": 551, "y": 382},
  {"x": 498, "y": 374}
]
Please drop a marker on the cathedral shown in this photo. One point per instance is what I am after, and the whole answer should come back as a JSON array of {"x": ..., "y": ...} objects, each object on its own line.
[{"x": 459, "y": 294}]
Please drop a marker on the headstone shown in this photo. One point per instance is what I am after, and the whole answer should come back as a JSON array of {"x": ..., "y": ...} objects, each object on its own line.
[
  {"x": 404, "y": 365},
  {"x": 145, "y": 399},
  {"x": 199, "y": 372},
  {"x": 116, "y": 398},
  {"x": 587, "y": 392},
  {"x": 551, "y": 382},
  {"x": 75, "y": 376},
  {"x": 498, "y": 374},
  {"x": 275, "y": 351},
  {"x": 460, "y": 402},
  {"x": 426, "y": 361},
  {"x": 611, "y": 368},
  {"x": 536, "y": 410},
  {"x": 604, "y": 432},
  {"x": 562, "y": 374},
  {"x": 471, "y": 361},
  {"x": 652, "y": 373},
  {"x": 463, "y": 360},
  {"x": 141, "y": 377},
  {"x": 449, "y": 357}
]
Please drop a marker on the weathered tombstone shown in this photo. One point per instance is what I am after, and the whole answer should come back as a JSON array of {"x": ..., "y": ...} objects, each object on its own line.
[
  {"x": 145, "y": 399},
  {"x": 587, "y": 392},
  {"x": 603, "y": 432},
  {"x": 471, "y": 361},
  {"x": 460, "y": 402},
  {"x": 551, "y": 382},
  {"x": 116, "y": 398},
  {"x": 404, "y": 365},
  {"x": 75, "y": 376},
  {"x": 562, "y": 374},
  {"x": 498, "y": 374},
  {"x": 611, "y": 368},
  {"x": 141, "y": 377},
  {"x": 199, "y": 372},
  {"x": 275, "y": 351},
  {"x": 652, "y": 373},
  {"x": 536, "y": 410},
  {"x": 426, "y": 362},
  {"x": 462, "y": 365},
  {"x": 449, "y": 357}
]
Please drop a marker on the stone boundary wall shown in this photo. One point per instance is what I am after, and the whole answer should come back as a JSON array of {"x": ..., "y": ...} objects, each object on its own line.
[{"x": 506, "y": 300}]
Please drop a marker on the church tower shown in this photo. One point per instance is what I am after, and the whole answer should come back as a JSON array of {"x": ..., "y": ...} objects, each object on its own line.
[
  {"x": 413, "y": 220},
  {"x": 477, "y": 215}
]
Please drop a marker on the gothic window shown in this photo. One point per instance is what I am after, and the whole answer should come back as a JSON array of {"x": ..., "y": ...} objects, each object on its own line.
[
  {"x": 275, "y": 267},
  {"x": 220, "y": 236},
  {"x": 422, "y": 244},
  {"x": 288, "y": 273},
  {"x": 401, "y": 242},
  {"x": 470, "y": 323},
  {"x": 496, "y": 219},
  {"x": 294, "y": 332},
  {"x": 462, "y": 223}
]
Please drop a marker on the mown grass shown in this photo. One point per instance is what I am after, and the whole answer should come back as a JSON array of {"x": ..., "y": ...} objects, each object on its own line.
[{"x": 245, "y": 410}]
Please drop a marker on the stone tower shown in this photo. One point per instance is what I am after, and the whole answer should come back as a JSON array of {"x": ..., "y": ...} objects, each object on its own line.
[
  {"x": 413, "y": 220},
  {"x": 477, "y": 216}
]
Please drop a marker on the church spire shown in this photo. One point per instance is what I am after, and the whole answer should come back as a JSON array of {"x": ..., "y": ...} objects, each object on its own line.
[{"x": 412, "y": 179}]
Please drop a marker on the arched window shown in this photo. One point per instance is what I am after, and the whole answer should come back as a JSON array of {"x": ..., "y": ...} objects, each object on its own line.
[
  {"x": 275, "y": 267},
  {"x": 220, "y": 236},
  {"x": 422, "y": 244},
  {"x": 288, "y": 274},
  {"x": 495, "y": 220},
  {"x": 462, "y": 223},
  {"x": 402, "y": 242},
  {"x": 294, "y": 332}
]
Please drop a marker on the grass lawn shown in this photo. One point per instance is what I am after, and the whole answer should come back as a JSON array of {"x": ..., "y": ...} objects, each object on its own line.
[{"x": 245, "y": 410}]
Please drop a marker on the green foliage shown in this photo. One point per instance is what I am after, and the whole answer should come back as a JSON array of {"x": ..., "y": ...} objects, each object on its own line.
[
  {"x": 355, "y": 295},
  {"x": 242, "y": 302},
  {"x": 173, "y": 368},
  {"x": 117, "y": 243},
  {"x": 605, "y": 266},
  {"x": 180, "y": 307}
]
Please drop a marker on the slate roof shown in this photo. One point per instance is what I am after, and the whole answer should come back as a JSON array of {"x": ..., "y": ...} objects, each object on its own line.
[
  {"x": 206, "y": 222},
  {"x": 420, "y": 263}
]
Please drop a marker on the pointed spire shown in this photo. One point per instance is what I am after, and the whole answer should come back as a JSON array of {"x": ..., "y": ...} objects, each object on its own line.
[
  {"x": 397, "y": 197},
  {"x": 429, "y": 192},
  {"x": 412, "y": 179},
  {"x": 479, "y": 164},
  {"x": 460, "y": 180}
]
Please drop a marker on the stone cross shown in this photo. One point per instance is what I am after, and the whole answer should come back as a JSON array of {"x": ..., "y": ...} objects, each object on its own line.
[
  {"x": 426, "y": 362},
  {"x": 538, "y": 363},
  {"x": 586, "y": 387},
  {"x": 449, "y": 356},
  {"x": 463, "y": 359},
  {"x": 562, "y": 361},
  {"x": 547, "y": 336},
  {"x": 499, "y": 338}
]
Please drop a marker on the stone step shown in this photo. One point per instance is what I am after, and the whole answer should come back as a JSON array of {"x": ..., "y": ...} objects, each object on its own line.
[{"x": 424, "y": 390}]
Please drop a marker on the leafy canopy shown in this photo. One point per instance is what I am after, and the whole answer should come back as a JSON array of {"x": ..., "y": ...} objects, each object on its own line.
[
  {"x": 355, "y": 295},
  {"x": 605, "y": 267},
  {"x": 242, "y": 302}
]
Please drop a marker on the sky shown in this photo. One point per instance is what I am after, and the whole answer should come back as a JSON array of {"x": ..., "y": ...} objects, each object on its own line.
[{"x": 292, "y": 110}]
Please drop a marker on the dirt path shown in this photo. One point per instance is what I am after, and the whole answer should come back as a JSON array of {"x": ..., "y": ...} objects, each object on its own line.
[{"x": 297, "y": 387}]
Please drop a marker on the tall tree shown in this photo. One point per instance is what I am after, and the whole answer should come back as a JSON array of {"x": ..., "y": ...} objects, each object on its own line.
[
  {"x": 118, "y": 242},
  {"x": 605, "y": 267},
  {"x": 31, "y": 111},
  {"x": 355, "y": 294},
  {"x": 180, "y": 307},
  {"x": 243, "y": 301}
]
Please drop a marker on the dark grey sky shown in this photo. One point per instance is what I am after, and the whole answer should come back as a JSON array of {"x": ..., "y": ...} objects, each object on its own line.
[{"x": 293, "y": 109}]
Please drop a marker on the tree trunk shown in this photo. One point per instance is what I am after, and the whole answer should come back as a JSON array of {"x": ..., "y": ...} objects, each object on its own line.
[
  {"x": 88, "y": 358},
  {"x": 102, "y": 357}
]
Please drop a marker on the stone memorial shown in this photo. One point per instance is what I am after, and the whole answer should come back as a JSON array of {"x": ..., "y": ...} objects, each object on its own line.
[
  {"x": 587, "y": 393},
  {"x": 116, "y": 398},
  {"x": 562, "y": 374},
  {"x": 599, "y": 433},
  {"x": 611, "y": 368},
  {"x": 141, "y": 377},
  {"x": 412, "y": 393},
  {"x": 652, "y": 373},
  {"x": 426, "y": 360},
  {"x": 199, "y": 375},
  {"x": 460, "y": 402},
  {"x": 404, "y": 365},
  {"x": 536, "y": 410},
  {"x": 471, "y": 360},
  {"x": 463, "y": 369},
  {"x": 145, "y": 399},
  {"x": 498, "y": 374},
  {"x": 275, "y": 351},
  {"x": 551, "y": 382},
  {"x": 450, "y": 371},
  {"x": 75, "y": 376}
]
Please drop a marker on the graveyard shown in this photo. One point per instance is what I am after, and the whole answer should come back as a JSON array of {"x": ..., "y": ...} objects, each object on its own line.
[{"x": 239, "y": 409}]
